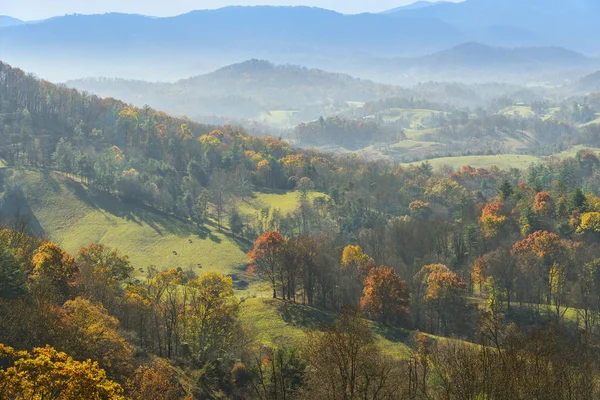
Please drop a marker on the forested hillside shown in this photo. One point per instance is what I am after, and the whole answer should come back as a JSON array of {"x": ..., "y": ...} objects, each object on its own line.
[{"x": 363, "y": 279}]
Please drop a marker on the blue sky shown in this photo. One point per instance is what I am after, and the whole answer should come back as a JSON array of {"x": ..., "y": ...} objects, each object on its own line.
[{"x": 39, "y": 9}]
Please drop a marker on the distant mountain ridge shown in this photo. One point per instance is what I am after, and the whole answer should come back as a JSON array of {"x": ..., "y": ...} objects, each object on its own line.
[
  {"x": 414, "y": 6},
  {"x": 477, "y": 63},
  {"x": 140, "y": 47},
  {"x": 6, "y": 21},
  {"x": 566, "y": 23},
  {"x": 204, "y": 40}
]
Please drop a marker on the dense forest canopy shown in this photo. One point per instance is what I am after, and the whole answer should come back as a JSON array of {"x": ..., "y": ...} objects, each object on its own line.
[{"x": 431, "y": 259}]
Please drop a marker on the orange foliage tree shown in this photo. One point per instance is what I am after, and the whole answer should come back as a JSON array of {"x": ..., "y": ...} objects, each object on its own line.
[
  {"x": 543, "y": 204},
  {"x": 385, "y": 295},
  {"x": 545, "y": 260},
  {"x": 158, "y": 382},
  {"x": 492, "y": 220},
  {"x": 443, "y": 296},
  {"x": 265, "y": 257}
]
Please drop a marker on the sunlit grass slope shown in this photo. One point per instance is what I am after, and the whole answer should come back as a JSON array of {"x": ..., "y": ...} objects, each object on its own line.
[
  {"x": 66, "y": 212},
  {"x": 279, "y": 323},
  {"x": 283, "y": 201}
]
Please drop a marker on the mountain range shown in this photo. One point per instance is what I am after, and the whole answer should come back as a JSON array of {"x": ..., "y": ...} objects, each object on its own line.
[
  {"x": 396, "y": 44},
  {"x": 566, "y": 23}
]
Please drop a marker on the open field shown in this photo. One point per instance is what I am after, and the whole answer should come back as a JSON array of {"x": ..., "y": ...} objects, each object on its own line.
[
  {"x": 66, "y": 212},
  {"x": 501, "y": 161},
  {"x": 416, "y": 118},
  {"x": 283, "y": 201},
  {"x": 518, "y": 111},
  {"x": 278, "y": 118}
]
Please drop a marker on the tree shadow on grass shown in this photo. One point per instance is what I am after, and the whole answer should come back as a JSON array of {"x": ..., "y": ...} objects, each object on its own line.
[
  {"x": 133, "y": 211},
  {"x": 51, "y": 180},
  {"x": 304, "y": 316},
  {"x": 239, "y": 281},
  {"x": 393, "y": 333}
]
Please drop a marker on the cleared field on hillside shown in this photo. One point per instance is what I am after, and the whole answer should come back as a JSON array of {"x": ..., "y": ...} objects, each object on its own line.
[
  {"x": 69, "y": 214},
  {"x": 285, "y": 202},
  {"x": 279, "y": 323},
  {"x": 518, "y": 111},
  {"x": 280, "y": 118},
  {"x": 501, "y": 161},
  {"x": 416, "y": 118}
]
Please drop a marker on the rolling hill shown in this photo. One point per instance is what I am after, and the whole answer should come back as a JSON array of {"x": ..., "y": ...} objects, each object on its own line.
[
  {"x": 590, "y": 83},
  {"x": 247, "y": 90}
]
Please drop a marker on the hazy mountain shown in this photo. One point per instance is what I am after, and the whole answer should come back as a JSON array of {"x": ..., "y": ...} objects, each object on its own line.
[
  {"x": 474, "y": 62},
  {"x": 9, "y": 21},
  {"x": 142, "y": 47},
  {"x": 245, "y": 90},
  {"x": 375, "y": 46},
  {"x": 568, "y": 23},
  {"x": 475, "y": 55},
  {"x": 590, "y": 83}
]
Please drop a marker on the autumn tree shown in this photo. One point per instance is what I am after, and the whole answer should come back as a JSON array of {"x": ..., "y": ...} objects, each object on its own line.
[
  {"x": 157, "y": 381},
  {"x": 89, "y": 332},
  {"x": 265, "y": 258},
  {"x": 212, "y": 318},
  {"x": 492, "y": 219},
  {"x": 545, "y": 261},
  {"x": 385, "y": 296},
  {"x": 164, "y": 295},
  {"x": 48, "y": 374},
  {"x": 102, "y": 272},
  {"x": 543, "y": 204},
  {"x": 56, "y": 267},
  {"x": 501, "y": 266},
  {"x": 345, "y": 363},
  {"x": 355, "y": 265},
  {"x": 420, "y": 210},
  {"x": 443, "y": 297}
]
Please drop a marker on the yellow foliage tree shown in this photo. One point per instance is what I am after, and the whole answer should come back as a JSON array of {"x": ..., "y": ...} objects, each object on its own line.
[
  {"x": 53, "y": 264},
  {"x": 49, "y": 374},
  {"x": 90, "y": 332},
  {"x": 590, "y": 222},
  {"x": 353, "y": 255}
]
